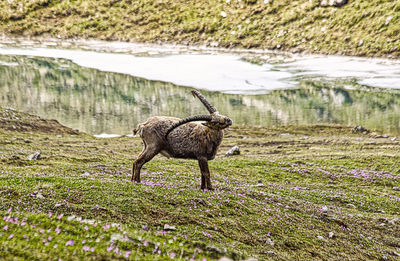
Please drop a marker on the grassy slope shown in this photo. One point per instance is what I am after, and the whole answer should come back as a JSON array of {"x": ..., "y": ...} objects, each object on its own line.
[
  {"x": 279, "y": 200},
  {"x": 367, "y": 27}
]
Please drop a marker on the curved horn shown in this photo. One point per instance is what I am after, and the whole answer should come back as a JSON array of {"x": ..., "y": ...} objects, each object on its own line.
[
  {"x": 209, "y": 107},
  {"x": 188, "y": 119}
]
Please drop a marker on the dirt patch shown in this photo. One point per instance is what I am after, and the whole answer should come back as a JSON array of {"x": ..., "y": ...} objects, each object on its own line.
[{"x": 12, "y": 120}]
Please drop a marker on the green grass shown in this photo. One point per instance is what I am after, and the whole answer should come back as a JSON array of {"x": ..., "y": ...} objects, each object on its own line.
[
  {"x": 279, "y": 200},
  {"x": 363, "y": 28}
]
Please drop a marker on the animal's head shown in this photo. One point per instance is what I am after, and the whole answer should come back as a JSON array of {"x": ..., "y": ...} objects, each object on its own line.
[{"x": 213, "y": 121}]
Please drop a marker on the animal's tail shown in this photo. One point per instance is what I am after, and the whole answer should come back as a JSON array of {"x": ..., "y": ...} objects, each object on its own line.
[{"x": 138, "y": 130}]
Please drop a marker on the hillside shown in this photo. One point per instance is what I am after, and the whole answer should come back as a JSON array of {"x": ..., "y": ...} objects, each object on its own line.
[
  {"x": 362, "y": 28},
  {"x": 304, "y": 193}
]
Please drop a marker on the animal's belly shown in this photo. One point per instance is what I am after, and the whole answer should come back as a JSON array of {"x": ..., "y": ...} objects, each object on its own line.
[{"x": 165, "y": 154}]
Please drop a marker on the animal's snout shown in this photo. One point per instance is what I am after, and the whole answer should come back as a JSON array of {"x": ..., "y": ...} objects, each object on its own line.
[{"x": 228, "y": 121}]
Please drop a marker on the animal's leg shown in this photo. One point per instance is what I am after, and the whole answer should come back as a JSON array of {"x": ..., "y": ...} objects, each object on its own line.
[
  {"x": 203, "y": 181},
  {"x": 140, "y": 155},
  {"x": 146, "y": 156},
  {"x": 205, "y": 174}
]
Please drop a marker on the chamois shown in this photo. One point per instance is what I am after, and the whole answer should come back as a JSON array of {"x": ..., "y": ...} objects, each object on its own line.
[{"x": 183, "y": 138}]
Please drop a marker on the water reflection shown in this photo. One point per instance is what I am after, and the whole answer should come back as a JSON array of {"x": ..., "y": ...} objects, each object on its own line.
[{"x": 101, "y": 102}]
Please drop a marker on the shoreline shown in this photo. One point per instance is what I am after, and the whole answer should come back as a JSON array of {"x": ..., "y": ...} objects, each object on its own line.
[{"x": 129, "y": 47}]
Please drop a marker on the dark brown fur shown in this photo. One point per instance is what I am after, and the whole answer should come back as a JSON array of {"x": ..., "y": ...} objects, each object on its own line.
[{"x": 192, "y": 140}]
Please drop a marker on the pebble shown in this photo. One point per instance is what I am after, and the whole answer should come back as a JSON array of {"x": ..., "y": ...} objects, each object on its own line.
[
  {"x": 351, "y": 205},
  {"x": 34, "y": 156},
  {"x": 234, "y": 151},
  {"x": 224, "y": 258},
  {"x": 269, "y": 252},
  {"x": 168, "y": 227},
  {"x": 85, "y": 174},
  {"x": 270, "y": 242},
  {"x": 39, "y": 196}
]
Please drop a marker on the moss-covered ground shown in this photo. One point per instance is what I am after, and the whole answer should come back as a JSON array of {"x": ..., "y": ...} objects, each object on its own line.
[
  {"x": 294, "y": 193},
  {"x": 362, "y": 28}
]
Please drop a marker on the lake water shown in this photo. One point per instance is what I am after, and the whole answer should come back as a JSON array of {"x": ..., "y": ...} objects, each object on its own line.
[{"x": 104, "y": 92}]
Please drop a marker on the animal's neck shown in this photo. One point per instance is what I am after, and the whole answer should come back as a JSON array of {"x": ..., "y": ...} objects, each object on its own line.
[{"x": 215, "y": 136}]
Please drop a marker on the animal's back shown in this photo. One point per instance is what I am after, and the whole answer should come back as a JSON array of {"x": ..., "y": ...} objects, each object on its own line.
[{"x": 156, "y": 124}]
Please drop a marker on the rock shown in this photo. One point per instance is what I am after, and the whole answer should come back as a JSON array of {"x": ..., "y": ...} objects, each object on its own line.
[
  {"x": 324, "y": 209},
  {"x": 269, "y": 252},
  {"x": 85, "y": 174},
  {"x": 331, "y": 234},
  {"x": 119, "y": 237},
  {"x": 270, "y": 242},
  {"x": 39, "y": 196},
  {"x": 27, "y": 141},
  {"x": 335, "y": 3},
  {"x": 395, "y": 253},
  {"x": 168, "y": 227},
  {"x": 224, "y": 258},
  {"x": 320, "y": 237},
  {"x": 216, "y": 249},
  {"x": 387, "y": 21},
  {"x": 395, "y": 220},
  {"x": 360, "y": 129},
  {"x": 234, "y": 151},
  {"x": 351, "y": 205},
  {"x": 34, "y": 156}
]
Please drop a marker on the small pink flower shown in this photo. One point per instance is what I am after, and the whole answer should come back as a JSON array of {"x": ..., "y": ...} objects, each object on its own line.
[
  {"x": 86, "y": 248},
  {"x": 70, "y": 243},
  {"x": 58, "y": 231},
  {"x": 60, "y": 216},
  {"x": 55, "y": 246},
  {"x": 172, "y": 255},
  {"x": 109, "y": 248},
  {"x": 127, "y": 254},
  {"x": 10, "y": 236},
  {"x": 5, "y": 227},
  {"x": 49, "y": 238},
  {"x": 50, "y": 215},
  {"x": 86, "y": 228},
  {"x": 106, "y": 226}
]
